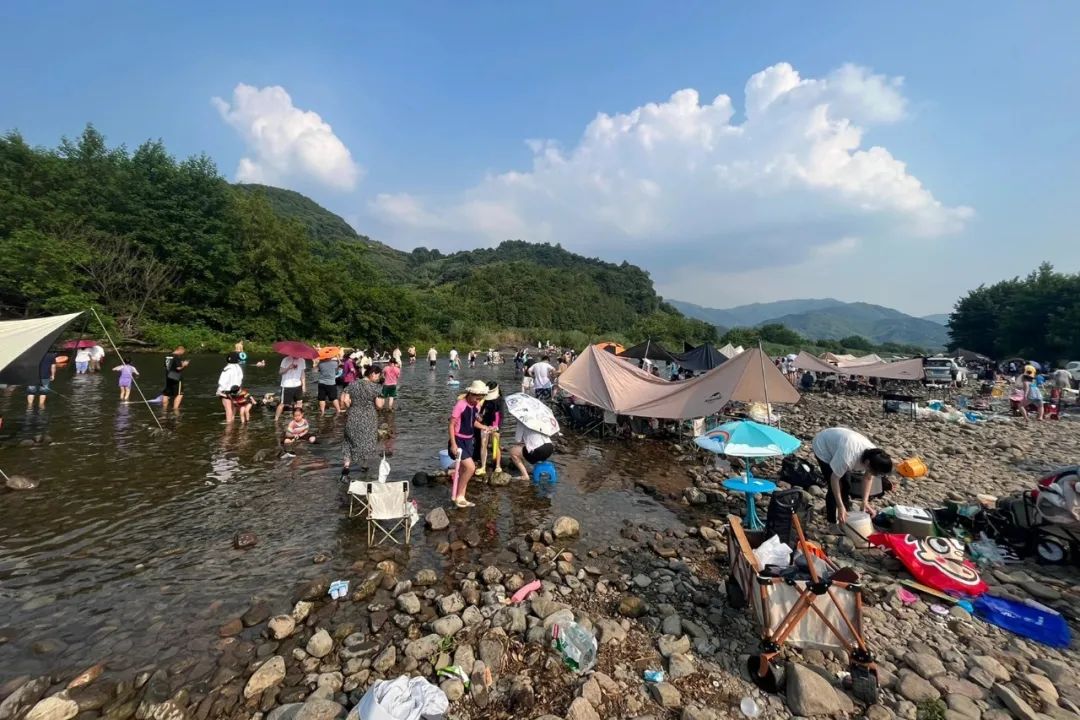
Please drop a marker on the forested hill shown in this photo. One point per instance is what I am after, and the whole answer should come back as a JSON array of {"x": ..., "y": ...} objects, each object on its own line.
[{"x": 173, "y": 253}]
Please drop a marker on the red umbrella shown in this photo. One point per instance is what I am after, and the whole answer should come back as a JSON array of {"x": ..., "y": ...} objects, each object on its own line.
[
  {"x": 78, "y": 344},
  {"x": 295, "y": 348}
]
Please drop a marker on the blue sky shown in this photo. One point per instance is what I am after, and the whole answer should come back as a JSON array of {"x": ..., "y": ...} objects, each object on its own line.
[{"x": 411, "y": 120}]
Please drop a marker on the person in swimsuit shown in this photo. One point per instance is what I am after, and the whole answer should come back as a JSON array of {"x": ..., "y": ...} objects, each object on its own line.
[
  {"x": 464, "y": 423},
  {"x": 491, "y": 414},
  {"x": 127, "y": 374},
  {"x": 298, "y": 430},
  {"x": 391, "y": 374},
  {"x": 412, "y": 354},
  {"x": 242, "y": 402}
]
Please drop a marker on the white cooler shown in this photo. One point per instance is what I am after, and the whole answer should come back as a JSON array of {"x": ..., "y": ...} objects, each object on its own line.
[{"x": 915, "y": 521}]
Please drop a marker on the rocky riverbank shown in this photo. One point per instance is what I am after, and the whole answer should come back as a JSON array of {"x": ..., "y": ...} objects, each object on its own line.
[{"x": 654, "y": 600}]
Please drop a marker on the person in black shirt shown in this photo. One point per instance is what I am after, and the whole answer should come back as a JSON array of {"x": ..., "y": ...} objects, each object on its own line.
[
  {"x": 46, "y": 374},
  {"x": 174, "y": 378}
]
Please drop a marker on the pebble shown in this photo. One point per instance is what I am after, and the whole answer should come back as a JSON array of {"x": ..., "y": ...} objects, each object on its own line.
[
  {"x": 566, "y": 527},
  {"x": 581, "y": 709},
  {"x": 665, "y": 694}
]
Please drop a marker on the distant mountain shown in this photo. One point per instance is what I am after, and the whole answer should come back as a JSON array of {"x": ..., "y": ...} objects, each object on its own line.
[
  {"x": 827, "y": 318},
  {"x": 754, "y": 313},
  {"x": 939, "y": 318}
]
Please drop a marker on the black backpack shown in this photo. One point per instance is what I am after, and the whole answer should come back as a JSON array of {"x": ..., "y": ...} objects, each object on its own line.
[
  {"x": 799, "y": 473},
  {"x": 783, "y": 505}
]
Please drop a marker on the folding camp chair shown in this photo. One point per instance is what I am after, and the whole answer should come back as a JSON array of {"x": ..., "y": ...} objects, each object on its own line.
[
  {"x": 388, "y": 511},
  {"x": 358, "y": 498}
]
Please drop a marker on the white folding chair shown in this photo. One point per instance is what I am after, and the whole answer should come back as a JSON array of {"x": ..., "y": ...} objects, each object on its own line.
[
  {"x": 358, "y": 498},
  {"x": 388, "y": 511}
]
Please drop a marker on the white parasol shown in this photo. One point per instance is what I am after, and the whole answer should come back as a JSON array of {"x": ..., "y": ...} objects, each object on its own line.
[{"x": 532, "y": 413}]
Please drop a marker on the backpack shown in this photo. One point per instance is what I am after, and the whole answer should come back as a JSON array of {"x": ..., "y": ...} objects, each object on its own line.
[{"x": 800, "y": 473}]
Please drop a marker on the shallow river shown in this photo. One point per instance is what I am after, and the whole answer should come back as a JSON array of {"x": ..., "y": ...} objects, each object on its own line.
[{"x": 125, "y": 551}]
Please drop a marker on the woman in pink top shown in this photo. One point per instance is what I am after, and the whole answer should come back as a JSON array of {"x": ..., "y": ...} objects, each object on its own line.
[{"x": 390, "y": 374}]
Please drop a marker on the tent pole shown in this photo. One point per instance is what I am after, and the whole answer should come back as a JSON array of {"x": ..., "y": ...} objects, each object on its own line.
[
  {"x": 133, "y": 380},
  {"x": 765, "y": 384},
  {"x": 4, "y": 475}
]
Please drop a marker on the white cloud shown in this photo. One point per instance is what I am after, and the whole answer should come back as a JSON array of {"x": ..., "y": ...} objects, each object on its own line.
[
  {"x": 285, "y": 142},
  {"x": 792, "y": 180}
]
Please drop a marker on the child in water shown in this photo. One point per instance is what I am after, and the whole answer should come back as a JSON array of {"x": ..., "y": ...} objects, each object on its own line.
[
  {"x": 452, "y": 381},
  {"x": 127, "y": 374},
  {"x": 242, "y": 402},
  {"x": 296, "y": 431}
]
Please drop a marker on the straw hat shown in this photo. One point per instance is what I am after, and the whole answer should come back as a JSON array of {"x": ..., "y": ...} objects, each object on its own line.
[{"x": 477, "y": 387}]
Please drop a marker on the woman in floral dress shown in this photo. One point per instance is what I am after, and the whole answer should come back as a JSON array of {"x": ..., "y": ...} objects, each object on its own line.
[{"x": 362, "y": 423}]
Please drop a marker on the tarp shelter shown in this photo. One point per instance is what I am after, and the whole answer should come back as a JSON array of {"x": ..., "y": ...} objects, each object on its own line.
[
  {"x": 806, "y": 361},
  {"x": 612, "y": 347},
  {"x": 23, "y": 343},
  {"x": 837, "y": 359},
  {"x": 705, "y": 357},
  {"x": 728, "y": 351},
  {"x": 900, "y": 370},
  {"x": 858, "y": 361},
  {"x": 599, "y": 379},
  {"x": 972, "y": 357},
  {"x": 648, "y": 350}
]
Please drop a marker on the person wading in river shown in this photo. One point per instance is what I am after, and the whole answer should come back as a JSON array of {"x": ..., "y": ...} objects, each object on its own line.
[
  {"x": 464, "y": 424},
  {"x": 174, "y": 379},
  {"x": 293, "y": 383},
  {"x": 362, "y": 422}
]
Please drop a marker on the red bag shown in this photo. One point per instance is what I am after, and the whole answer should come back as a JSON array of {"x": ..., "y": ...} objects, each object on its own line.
[{"x": 935, "y": 562}]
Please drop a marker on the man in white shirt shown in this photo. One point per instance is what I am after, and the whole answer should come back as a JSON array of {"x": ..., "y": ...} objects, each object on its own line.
[
  {"x": 432, "y": 357},
  {"x": 543, "y": 375},
  {"x": 839, "y": 452},
  {"x": 293, "y": 384},
  {"x": 97, "y": 354}
]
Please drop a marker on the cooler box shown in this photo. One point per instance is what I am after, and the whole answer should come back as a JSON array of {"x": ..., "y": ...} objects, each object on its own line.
[{"x": 918, "y": 522}]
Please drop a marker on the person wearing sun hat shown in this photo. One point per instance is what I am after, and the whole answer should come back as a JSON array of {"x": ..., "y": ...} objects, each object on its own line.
[
  {"x": 464, "y": 422},
  {"x": 490, "y": 420}
]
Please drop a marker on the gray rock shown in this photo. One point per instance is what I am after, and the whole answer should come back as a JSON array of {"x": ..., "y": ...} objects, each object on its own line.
[
  {"x": 610, "y": 631},
  {"x": 808, "y": 693},
  {"x": 285, "y": 712},
  {"x": 318, "y": 709},
  {"x": 642, "y": 581},
  {"x": 670, "y": 645},
  {"x": 492, "y": 648},
  {"x": 320, "y": 644},
  {"x": 472, "y": 616},
  {"x": 631, "y": 606},
  {"x": 281, "y": 626},
  {"x": 491, "y": 575},
  {"x": 991, "y": 665},
  {"x": 591, "y": 692},
  {"x": 423, "y": 648},
  {"x": 454, "y": 689},
  {"x": 963, "y": 705},
  {"x": 408, "y": 603},
  {"x": 928, "y": 666},
  {"x": 672, "y": 625},
  {"x": 301, "y": 610},
  {"x": 566, "y": 527},
  {"x": 451, "y": 604},
  {"x": 427, "y": 576},
  {"x": 437, "y": 519},
  {"x": 665, "y": 694},
  {"x": 580, "y": 709},
  {"x": 54, "y": 707},
  {"x": 269, "y": 674},
  {"x": 914, "y": 688},
  {"x": 448, "y": 626},
  {"x": 680, "y": 666},
  {"x": 694, "y": 496},
  {"x": 385, "y": 660},
  {"x": 19, "y": 482},
  {"x": 696, "y": 712},
  {"x": 1016, "y": 704},
  {"x": 25, "y": 696}
]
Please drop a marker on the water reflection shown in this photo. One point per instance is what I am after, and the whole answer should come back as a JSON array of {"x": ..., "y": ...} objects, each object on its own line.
[{"x": 126, "y": 547}]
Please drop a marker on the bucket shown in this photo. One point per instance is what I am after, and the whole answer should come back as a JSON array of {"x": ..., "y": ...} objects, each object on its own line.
[
  {"x": 912, "y": 467},
  {"x": 859, "y": 526},
  {"x": 445, "y": 461}
]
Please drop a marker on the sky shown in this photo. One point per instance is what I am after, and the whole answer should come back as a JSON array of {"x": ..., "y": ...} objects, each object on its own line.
[{"x": 899, "y": 154}]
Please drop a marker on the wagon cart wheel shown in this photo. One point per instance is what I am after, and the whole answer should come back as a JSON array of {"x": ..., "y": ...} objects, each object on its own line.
[
  {"x": 1051, "y": 551},
  {"x": 736, "y": 598},
  {"x": 864, "y": 684},
  {"x": 771, "y": 681}
]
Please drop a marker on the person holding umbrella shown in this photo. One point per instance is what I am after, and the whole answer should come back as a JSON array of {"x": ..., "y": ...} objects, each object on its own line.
[
  {"x": 535, "y": 426},
  {"x": 293, "y": 384},
  {"x": 464, "y": 422}
]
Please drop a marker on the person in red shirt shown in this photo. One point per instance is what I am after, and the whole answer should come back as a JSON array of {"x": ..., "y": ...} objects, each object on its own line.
[{"x": 391, "y": 372}]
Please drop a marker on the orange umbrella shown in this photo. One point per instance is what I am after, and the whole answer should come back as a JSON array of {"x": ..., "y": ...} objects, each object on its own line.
[{"x": 329, "y": 352}]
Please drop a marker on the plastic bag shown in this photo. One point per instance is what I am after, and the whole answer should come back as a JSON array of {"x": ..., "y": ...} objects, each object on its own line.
[
  {"x": 404, "y": 698},
  {"x": 773, "y": 552},
  {"x": 384, "y": 469}
]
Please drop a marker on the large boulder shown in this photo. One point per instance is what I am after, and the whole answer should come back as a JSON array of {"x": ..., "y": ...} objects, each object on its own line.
[
  {"x": 437, "y": 519},
  {"x": 808, "y": 693},
  {"x": 566, "y": 527},
  {"x": 55, "y": 707},
  {"x": 320, "y": 644},
  {"x": 269, "y": 674}
]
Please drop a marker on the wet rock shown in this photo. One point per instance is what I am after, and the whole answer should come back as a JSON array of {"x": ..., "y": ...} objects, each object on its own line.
[
  {"x": 423, "y": 648},
  {"x": 313, "y": 590},
  {"x": 631, "y": 606},
  {"x": 385, "y": 660},
  {"x": 680, "y": 666},
  {"x": 368, "y": 586},
  {"x": 23, "y": 697},
  {"x": 426, "y": 577},
  {"x": 20, "y": 482},
  {"x": 232, "y": 628},
  {"x": 580, "y": 709},
  {"x": 281, "y": 626},
  {"x": 87, "y": 676},
  {"x": 94, "y": 696},
  {"x": 269, "y": 675},
  {"x": 257, "y": 614},
  {"x": 808, "y": 693},
  {"x": 408, "y": 603},
  {"x": 320, "y": 558},
  {"x": 320, "y": 644},
  {"x": 566, "y": 527},
  {"x": 665, "y": 694},
  {"x": 55, "y": 707},
  {"x": 301, "y": 610},
  {"x": 914, "y": 688},
  {"x": 437, "y": 519},
  {"x": 245, "y": 539}
]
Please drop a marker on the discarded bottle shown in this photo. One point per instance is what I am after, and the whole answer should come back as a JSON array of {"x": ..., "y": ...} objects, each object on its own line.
[
  {"x": 654, "y": 676},
  {"x": 749, "y": 707},
  {"x": 576, "y": 645}
]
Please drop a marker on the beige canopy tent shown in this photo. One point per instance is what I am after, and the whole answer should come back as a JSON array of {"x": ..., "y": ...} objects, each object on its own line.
[
  {"x": 23, "y": 343},
  {"x": 901, "y": 370},
  {"x": 728, "y": 351},
  {"x": 599, "y": 379}
]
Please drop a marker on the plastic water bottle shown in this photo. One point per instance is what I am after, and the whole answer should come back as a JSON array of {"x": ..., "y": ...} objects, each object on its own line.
[
  {"x": 576, "y": 645},
  {"x": 749, "y": 707}
]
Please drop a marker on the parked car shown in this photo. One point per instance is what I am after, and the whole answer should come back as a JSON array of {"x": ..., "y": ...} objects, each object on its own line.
[
  {"x": 1074, "y": 370},
  {"x": 943, "y": 371}
]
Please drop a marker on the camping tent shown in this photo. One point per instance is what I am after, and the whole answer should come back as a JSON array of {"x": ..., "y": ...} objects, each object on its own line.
[
  {"x": 970, "y": 356},
  {"x": 901, "y": 370},
  {"x": 806, "y": 361},
  {"x": 23, "y": 343},
  {"x": 705, "y": 357},
  {"x": 648, "y": 350},
  {"x": 858, "y": 361},
  {"x": 598, "y": 379},
  {"x": 610, "y": 346},
  {"x": 728, "y": 351}
]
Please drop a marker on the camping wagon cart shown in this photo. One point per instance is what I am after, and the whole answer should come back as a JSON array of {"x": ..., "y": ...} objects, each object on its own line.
[{"x": 824, "y": 612}]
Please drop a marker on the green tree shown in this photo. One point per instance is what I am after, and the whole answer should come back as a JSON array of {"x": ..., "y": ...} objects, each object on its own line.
[
  {"x": 857, "y": 342},
  {"x": 779, "y": 334}
]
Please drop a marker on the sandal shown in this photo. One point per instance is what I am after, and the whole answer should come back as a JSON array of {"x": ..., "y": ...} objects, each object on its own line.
[{"x": 461, "y": 503}]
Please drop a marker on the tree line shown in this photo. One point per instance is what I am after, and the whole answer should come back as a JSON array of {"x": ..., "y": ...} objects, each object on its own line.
[
  {"x": 1036, "y": 317},
  {"x": 173, "y": 253}
]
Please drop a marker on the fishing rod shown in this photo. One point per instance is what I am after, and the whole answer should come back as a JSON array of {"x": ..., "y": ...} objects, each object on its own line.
[{"x": 133, "y": 380}]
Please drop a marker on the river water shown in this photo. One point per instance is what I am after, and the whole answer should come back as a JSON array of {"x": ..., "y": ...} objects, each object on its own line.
[{"x": 124, "y": 553}]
